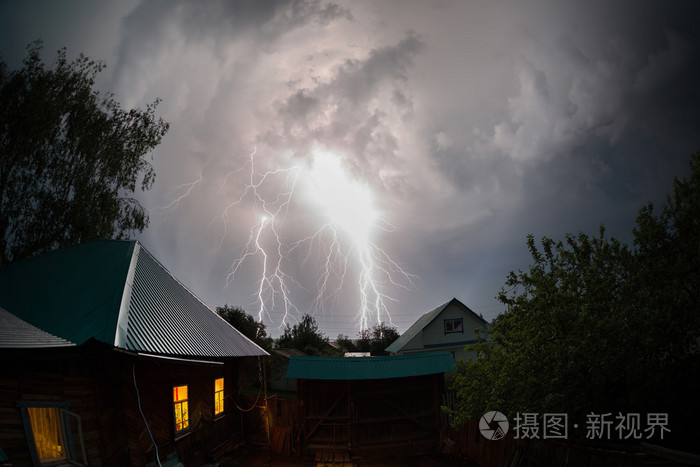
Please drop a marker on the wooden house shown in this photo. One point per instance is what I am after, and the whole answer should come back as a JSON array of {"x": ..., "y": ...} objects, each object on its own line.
[
  {"x": 451, "y": 327},
  {"x": 370, "y": 405},
  {"x": 107, "y": 359}
]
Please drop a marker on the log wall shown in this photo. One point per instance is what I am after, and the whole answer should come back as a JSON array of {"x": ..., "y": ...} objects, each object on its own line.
[{"x": 97, "y": 383}]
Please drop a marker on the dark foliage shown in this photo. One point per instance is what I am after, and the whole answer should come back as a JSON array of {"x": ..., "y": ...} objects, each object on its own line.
[
  {"x": 305, "y": 336},
  {"x": 246, "y": 324},
  {"x": 70, "y": 159},
  {"x": 598, "y": 326},
  {"x": 376, "y": 339}
]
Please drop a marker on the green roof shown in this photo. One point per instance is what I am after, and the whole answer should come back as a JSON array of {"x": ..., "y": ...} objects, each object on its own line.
[
  {"x": 354, "y": 368},
  {"x": 73, "y": 292},
  {"x": 116, "y": 292}
]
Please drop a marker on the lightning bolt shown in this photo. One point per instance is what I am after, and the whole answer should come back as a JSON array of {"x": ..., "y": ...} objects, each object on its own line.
[
  {"x": 341, "y": 245},
  {"x": 185, "y": 189},
  {"x": 274, "y": 283},
  {"x": 347, "y": 219}
]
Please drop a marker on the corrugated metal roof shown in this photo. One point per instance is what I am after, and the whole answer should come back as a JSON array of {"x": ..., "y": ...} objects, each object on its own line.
[
  {"x": 117, "y": 293},
  {"x": 16, "y": 333},
  {"x": 166, "y": 318},
  {"x": 392, "y": 366},
  {"x": 424, "y": 321}
]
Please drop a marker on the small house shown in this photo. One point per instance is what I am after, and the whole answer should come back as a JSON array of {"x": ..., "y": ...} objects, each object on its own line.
[
  {"x": 364, "y": 406},
  {"x": 107, "y": 359},
  {"x": 451, "y": 327}
]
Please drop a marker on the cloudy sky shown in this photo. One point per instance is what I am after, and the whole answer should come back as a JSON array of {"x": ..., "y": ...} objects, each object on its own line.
[{"x": 372, "y": 160}]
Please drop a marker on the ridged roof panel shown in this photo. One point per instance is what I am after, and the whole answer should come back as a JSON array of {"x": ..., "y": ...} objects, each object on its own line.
[
  {"x": 166, "y": 318},
  {"x": 415, "y": 328},
  {"x": 117, "y": 293},
  {"x": 17, "y": 333}
]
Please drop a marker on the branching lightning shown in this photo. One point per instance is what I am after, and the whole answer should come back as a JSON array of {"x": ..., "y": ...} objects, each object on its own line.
[
  {"x": 183, "y": 191},
  {"x": 274, "y": 283},
  {"x": 347, "y": 220},
  {"x": 335, "y": 239}
]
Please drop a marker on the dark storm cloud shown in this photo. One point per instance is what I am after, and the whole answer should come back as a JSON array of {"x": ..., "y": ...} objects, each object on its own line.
[
  {"x": 473, "y": 123},
  {"x": 348, "y": 108}
]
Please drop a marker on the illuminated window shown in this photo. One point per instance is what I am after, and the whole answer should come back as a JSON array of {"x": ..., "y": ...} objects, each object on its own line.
[
  {"x": 453, "y": 325},
  {"x": 51, "y": 430},
  {"x": 182, "y": 412},
  {"x": 48, "y": 433},
  {"x": 218, "y": 396}
]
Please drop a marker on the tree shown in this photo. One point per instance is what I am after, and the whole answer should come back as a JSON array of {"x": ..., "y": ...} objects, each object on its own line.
[
  {"x": 376, "y": 339},
  {"x": 251, "y": 370},
  {"x": 304, "y": 336},
  {"x": 345, "y": 343},
  {"x": 246, "y": 324},
  {"x": 666, "y": 289},
  {"x": 597, "y": 326},
  {"x": 70, "y": 158}
]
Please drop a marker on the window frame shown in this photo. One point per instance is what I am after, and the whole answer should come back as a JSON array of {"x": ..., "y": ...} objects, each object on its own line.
[
  {"x": 182, "y": 431},
  {"x": 452, "y": 322},
  {"x": 66, "y": 433},
  {"x": 222, "y": 412}
]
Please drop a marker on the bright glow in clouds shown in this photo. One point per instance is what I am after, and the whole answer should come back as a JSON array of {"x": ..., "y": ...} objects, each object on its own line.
[
  {"x": 341, "y": 244},
  {"x": 346, "y": 202}
]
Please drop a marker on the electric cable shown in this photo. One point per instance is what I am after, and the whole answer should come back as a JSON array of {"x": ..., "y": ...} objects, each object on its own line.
[{"x": 138, "y": 400}]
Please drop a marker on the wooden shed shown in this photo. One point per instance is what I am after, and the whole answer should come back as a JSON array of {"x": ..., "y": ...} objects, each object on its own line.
[
  {"x": 373, "y": 404},
  {"x": 107, "y": 359}
]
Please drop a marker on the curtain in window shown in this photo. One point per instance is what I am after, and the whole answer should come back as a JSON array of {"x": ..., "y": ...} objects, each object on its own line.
[{"x": 46, "y": 428}]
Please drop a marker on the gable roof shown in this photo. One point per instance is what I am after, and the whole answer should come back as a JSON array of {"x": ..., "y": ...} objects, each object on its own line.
[
  {"x": 116, "y": 292},
  {"x": 392, "y": 366},
  {"x": 425, "y": 320}
]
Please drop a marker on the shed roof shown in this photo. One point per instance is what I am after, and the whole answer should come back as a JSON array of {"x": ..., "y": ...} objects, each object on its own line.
[
  {"x": 116, "y": 292},
  {"x": 392, "y": 366},
  {"x": 423, "y": 322}
]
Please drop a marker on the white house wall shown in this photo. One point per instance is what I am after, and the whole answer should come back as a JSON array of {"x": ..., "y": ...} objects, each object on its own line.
[{"x": 434, "y": 337}]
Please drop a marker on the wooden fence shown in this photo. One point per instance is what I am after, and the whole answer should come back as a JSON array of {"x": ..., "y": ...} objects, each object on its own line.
[
  {"x": 275, "y": 423},
  {"x": 285, "y": 435}
]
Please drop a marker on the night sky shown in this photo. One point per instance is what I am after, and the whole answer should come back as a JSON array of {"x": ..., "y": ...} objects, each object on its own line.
[{"x": 400, "y": 150}]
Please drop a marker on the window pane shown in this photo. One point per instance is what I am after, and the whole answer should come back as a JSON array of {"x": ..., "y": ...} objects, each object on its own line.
[
  {"x": 185, "y": 416},
  {"x": 46, "y": 429},
  {"x": 219, "y": 384},
  {"x": 179, "y": 393},
  {"x": 453, "y": 325},
  {"x": 178, "y": 415}
]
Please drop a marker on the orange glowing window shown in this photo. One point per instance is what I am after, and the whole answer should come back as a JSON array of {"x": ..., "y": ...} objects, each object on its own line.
[
  {"x": 48, "y": 433},
  {"x": 182, "y": 413},
  {"x": 218, "y": 396}
]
